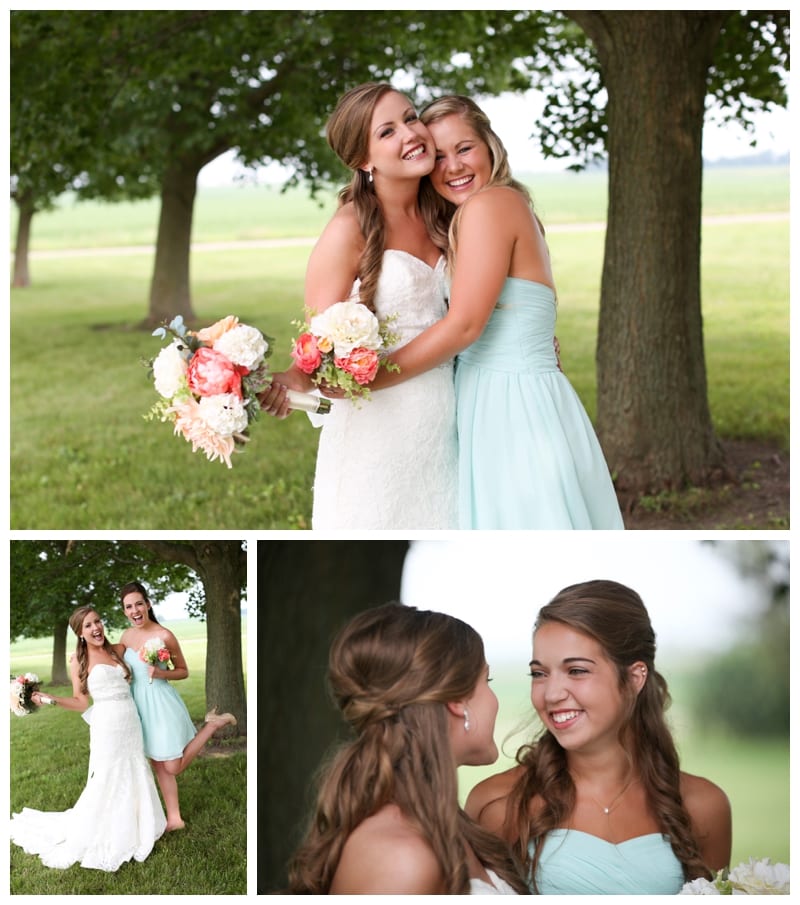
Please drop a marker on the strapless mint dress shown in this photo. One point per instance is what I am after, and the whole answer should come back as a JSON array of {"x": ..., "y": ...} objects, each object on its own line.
[
  {"x": 528, "y": 454},
  {"x": 577, "y": 863},
  {"x": 166, "y": 725}
]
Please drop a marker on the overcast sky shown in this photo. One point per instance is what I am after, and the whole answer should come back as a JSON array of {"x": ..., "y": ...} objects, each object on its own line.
[
  {"x": 497, "y": 581},
  {"x": 514, "y": 118}
]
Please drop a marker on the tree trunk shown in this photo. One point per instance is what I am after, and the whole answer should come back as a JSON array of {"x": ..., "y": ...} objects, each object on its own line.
[
  {"x": 306, "y": 591},
  {"x": 170, "y": 292},
  {"x": 653, "y": 417},
  {"x": 26, "y": 211},
  {"x": 58, "y": 670},
  {"x": 220, "y": 570}
]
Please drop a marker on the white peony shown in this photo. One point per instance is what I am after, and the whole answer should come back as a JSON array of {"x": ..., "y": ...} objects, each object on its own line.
[
  {"x": 224, "y": 413},
  {"x": 700, "y": 887},
  {"x": 243, "y": 345},
  {"x": 169, "y": 370},
  {"x": 762, "y": 877},
  {"x": 347, "y": 326}
]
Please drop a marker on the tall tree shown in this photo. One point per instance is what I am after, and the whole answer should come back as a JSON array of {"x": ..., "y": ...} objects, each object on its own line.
[
  {"x": 645, "y": 101},
  {"x": 306, "y": 591}
]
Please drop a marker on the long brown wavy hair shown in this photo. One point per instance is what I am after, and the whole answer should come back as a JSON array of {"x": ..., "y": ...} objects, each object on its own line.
[
  {"x": 392, "y": 669},
  {"x": 442, "y": 216},
  {"x": 76, "y": 624},
  {"x": 347, "y": 132},
  {"x": 614, "y": 616}
]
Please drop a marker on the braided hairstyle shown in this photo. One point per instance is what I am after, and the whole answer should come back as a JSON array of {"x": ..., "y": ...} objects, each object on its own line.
[
  {"x": 392, "y": 670},
  {"x": 614, "y": 616},
  {"x": 76, "y": 624}
]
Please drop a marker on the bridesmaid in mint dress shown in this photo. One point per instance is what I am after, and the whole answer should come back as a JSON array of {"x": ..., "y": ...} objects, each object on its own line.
[
  {"x": 598, "y": 803},
  {"x": 170, "y": 738},
  {"x": 528, "y": 454}
]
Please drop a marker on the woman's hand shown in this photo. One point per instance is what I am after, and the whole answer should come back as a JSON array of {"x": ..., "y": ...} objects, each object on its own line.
[{"x": 273, "y": 400}]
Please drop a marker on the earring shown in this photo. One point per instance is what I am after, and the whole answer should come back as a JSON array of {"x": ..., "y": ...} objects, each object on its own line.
[
  {"x": 466, "y": 720},
  {"x": 370, "y": 175}
]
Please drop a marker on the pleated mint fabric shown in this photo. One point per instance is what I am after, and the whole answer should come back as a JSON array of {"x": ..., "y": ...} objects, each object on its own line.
[
  {"x": 577, "y": 863},
  {"x": 529, "y": 457}
]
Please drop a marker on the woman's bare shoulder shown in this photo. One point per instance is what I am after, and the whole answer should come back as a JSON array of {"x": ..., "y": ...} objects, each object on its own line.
[
  {"x": 486, "y": 803},
  {"x": 386, "y": 854}
]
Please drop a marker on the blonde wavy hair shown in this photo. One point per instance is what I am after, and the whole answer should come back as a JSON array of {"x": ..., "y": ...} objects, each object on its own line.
[
  {"x": 76, "y": 624},
  {"x": 441, "y": 216},
  {"x": 614, "y": 616},
  {"x": 392, "y": 670}
]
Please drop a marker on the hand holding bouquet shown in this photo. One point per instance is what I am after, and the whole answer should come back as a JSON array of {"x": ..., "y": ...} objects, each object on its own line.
[
  {"x": 155, "y": 653},
  {"x": 341, "y": 347},
  {"x": 209, "y": 382},
  {"x": 22, "y": 690}
]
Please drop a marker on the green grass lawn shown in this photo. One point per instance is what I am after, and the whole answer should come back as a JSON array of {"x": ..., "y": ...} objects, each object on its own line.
[
  {"x": 49, "y": 757},
  {"x": 753, "y": 772},
  {"x": 84, "y": 458}
]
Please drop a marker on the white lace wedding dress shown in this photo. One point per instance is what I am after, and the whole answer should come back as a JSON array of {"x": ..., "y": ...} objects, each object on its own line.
[
  {"x": 390, "y": 462},
  {"x": 118, "y": 815}
]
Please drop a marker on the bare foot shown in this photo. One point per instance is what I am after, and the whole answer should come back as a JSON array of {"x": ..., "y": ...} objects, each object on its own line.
[{"x": 177, "y": 825}]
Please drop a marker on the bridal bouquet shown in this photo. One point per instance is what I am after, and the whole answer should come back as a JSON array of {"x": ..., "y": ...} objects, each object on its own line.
[
  {"x": 342, "y": 347},
  {"x": 22, "y": 687},
  {"x": 155, "y": 653},
  {"x": 750, "y": 878},
  {"x": 209, "y": 382}
]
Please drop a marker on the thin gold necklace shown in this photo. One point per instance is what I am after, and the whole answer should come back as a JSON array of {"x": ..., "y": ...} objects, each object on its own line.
[{"x": 607, "y": 810}]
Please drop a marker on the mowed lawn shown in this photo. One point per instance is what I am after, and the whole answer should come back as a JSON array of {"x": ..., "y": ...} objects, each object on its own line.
[{"x": 83, "y": 457}]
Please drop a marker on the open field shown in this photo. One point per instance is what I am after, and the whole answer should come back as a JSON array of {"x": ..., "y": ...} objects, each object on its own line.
[{"x": 83, "y": 457}]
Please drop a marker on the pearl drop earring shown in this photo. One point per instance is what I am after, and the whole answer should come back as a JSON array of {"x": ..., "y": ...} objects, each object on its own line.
[{"x": 466, "y": 720}]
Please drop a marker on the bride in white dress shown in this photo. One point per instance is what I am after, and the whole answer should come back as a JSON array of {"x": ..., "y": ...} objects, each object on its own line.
[
  {"x": 118, "y": 816},
  {"x": 389, "y": 461}
]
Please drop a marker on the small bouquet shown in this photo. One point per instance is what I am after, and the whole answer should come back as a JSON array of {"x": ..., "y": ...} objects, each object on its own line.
[
  {"x": 209, "y": 382},
  {"x": 155, "y": 653},
  {"x": 22, "y": 687},
  {"x": 750, "y": 878},
  {"x": 341, "y": 347}
]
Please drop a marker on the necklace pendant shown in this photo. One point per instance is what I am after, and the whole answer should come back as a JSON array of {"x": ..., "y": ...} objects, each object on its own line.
[{"x": 606, "y": 810}]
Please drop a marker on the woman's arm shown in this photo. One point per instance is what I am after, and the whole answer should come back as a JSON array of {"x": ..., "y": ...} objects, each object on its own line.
[
  {"x": 79, "y": 700},
  {"x": 486, "y": 239},
  {"x": 330, "y": 274},
  {"x": 710, "y": 813},
  {"x": 180, "y": 668}
]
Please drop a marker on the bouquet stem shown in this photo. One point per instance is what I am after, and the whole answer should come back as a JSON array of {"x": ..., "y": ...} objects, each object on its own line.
[{"x": 307, "y": 402}]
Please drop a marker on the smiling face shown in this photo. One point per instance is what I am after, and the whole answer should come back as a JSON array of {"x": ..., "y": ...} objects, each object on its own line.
[
  {"x": 400, "y": 146},
  {"x": 92, "y": 630},
  {"x": 575, "y": 688},
  {"x": 137, "y": 608},
  {"x": 463, "y": 161}
]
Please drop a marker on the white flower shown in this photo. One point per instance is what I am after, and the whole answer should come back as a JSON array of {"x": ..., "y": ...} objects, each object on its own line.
[
  {"x": 699, "y": 887},
  {"x": 169, "y": 370},
  {"x": 224, "y": 413},
  {"x": 347, "y": 326},
  {"x": 762, "y": 877},
  {"x": 243, "y": 345}
]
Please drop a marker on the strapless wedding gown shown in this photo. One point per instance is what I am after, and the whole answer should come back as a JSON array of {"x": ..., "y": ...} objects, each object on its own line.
[
  {"x": 497, "y": 886},
  {"x": 390, "y": 462},
  {"x": 118, "y": 816}
]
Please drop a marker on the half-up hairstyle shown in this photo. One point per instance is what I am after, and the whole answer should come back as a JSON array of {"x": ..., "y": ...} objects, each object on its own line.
[
  {"x": 348, "y": 132},
  {"x": 442, "y": 216},
  {"x": 133, "y": 586},
  {"x": 614, "y": 616},
  {"x": 81, "y": 654},
  {"x": 392, "y": 670}
]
